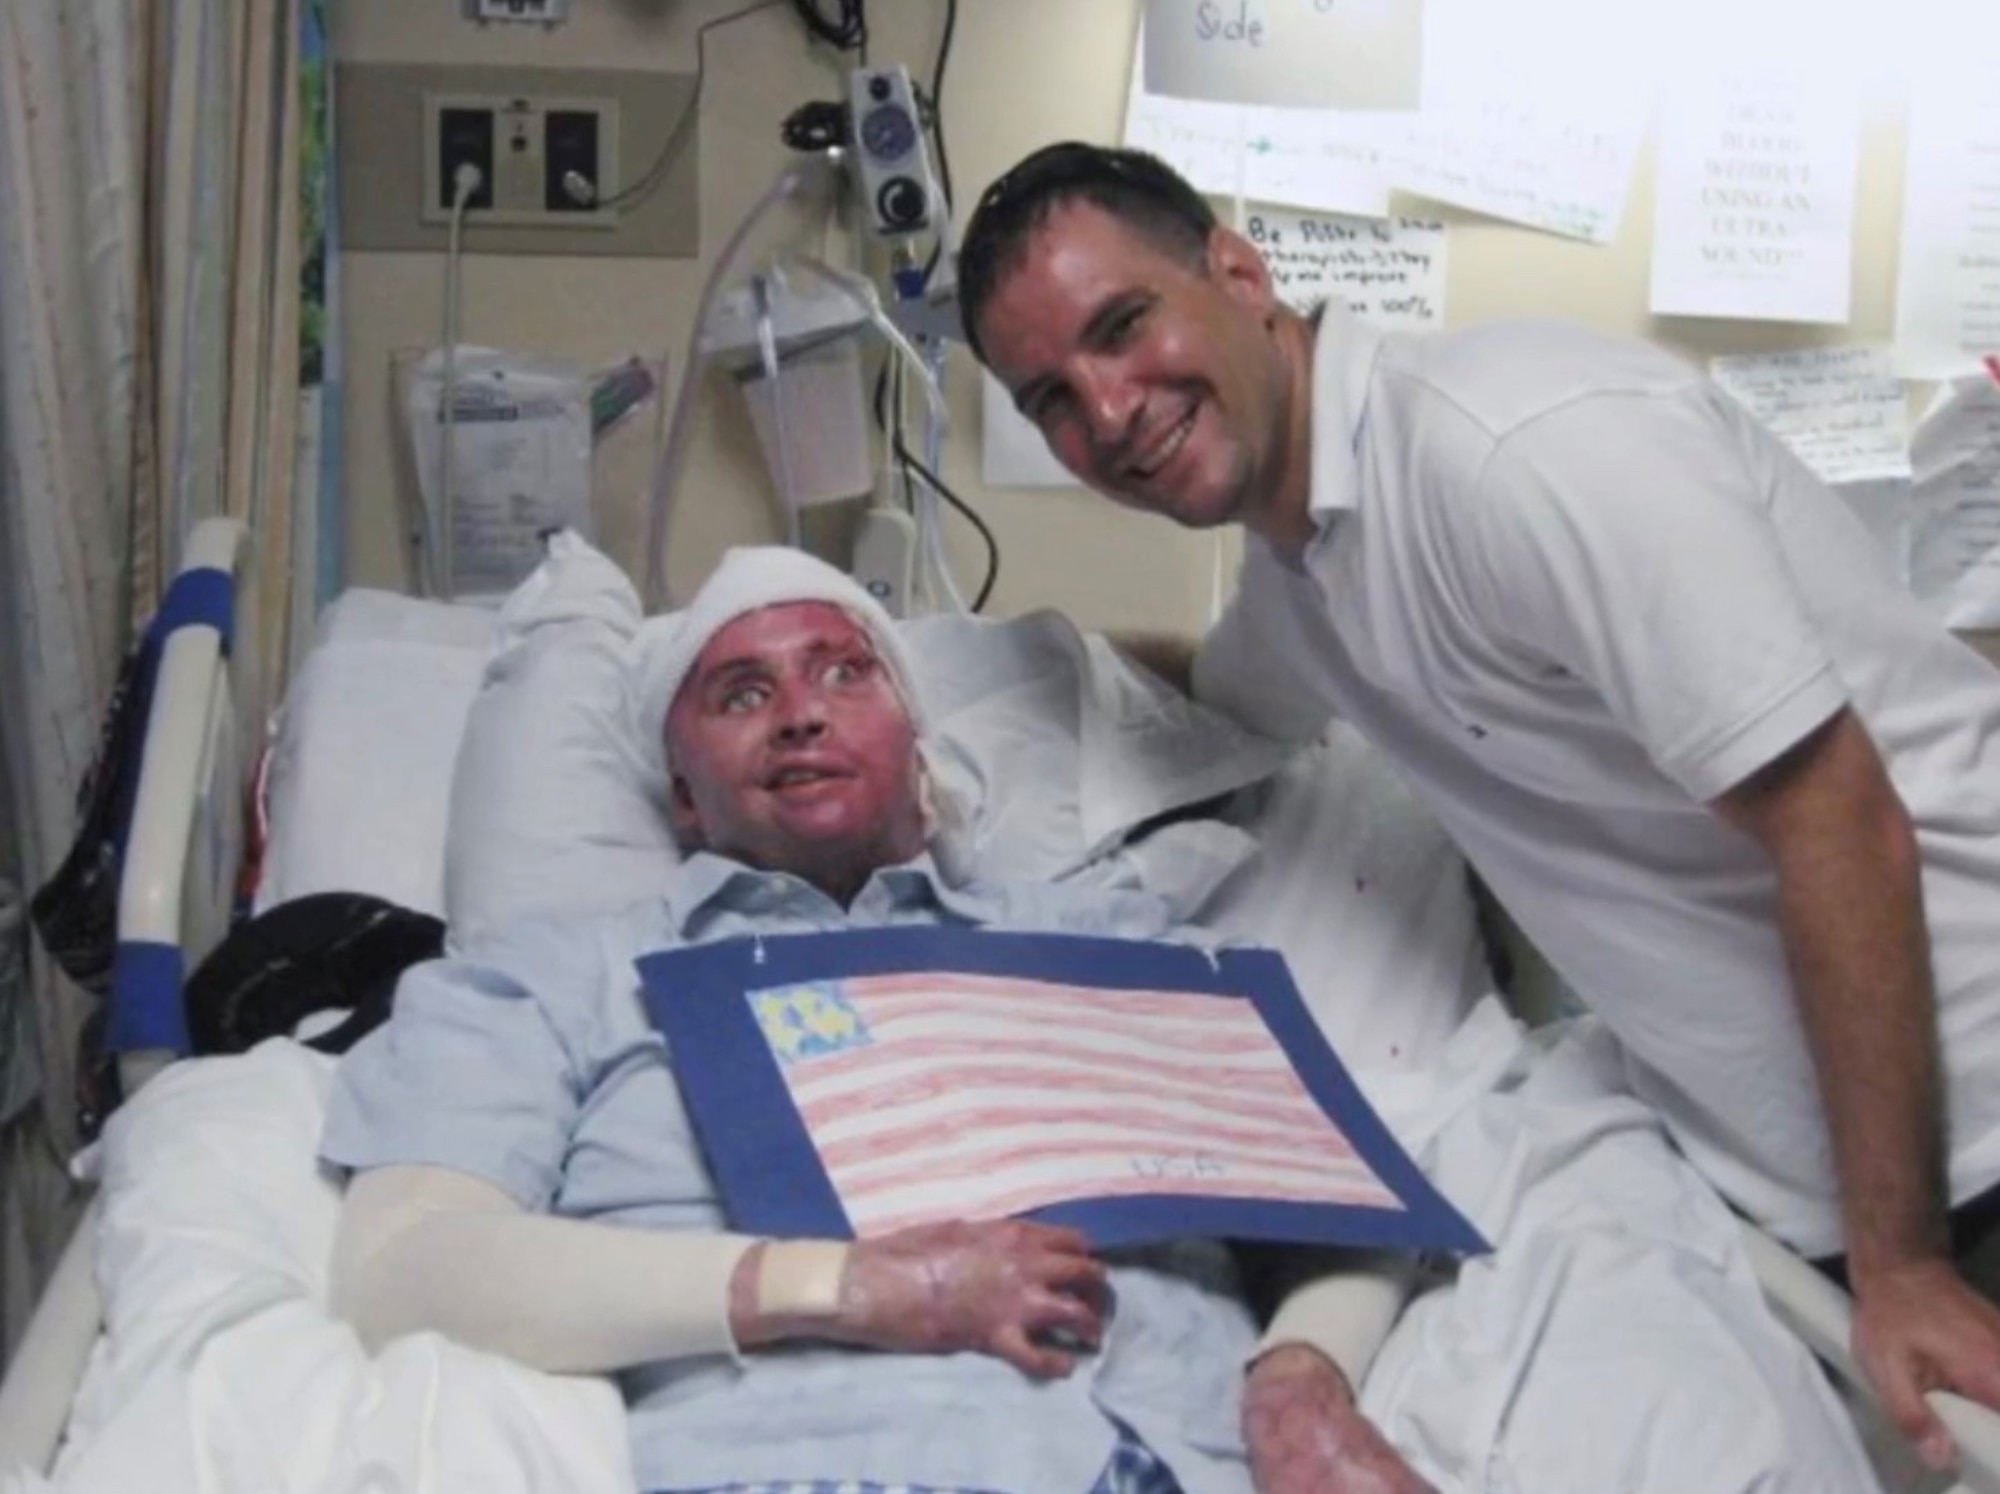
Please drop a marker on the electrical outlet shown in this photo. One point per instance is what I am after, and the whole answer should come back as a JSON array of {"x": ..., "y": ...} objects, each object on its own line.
[
  {"x": 546, "y": 162},
  {"x": 572, "y": 170},
  {"x": 464, "y": 138},
  {"x": 546, "y": 12}
]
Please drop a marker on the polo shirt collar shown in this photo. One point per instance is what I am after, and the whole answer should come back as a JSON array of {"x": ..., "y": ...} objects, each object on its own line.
[
  {"x": 1343, "y": 364},
  {"x": 707, "y": 884}
]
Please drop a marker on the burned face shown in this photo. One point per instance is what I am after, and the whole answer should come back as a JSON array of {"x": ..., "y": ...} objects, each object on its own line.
[{"x": 792, "y": 750}]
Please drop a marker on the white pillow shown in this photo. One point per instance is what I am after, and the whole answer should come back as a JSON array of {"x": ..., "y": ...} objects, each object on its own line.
[
  {"x": 553, "y": 806},
  {"x": 360, "y": 771},
  {"x": 1366, "y": 897}
]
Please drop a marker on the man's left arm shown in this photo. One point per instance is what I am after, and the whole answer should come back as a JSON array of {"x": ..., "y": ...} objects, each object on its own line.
[
  {"x": 1302, "y": 1424},
  {"x": 1852, "y": 916}
]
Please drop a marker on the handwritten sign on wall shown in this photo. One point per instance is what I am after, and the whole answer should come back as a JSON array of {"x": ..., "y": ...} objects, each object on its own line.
[
  {"x": 1389, "y": 272},
  {"x": 1313, "y": 54},
  {"x": 1310, "y": 158},
  {"x": 1550, "y": 167},
  {"x": 1754, "y": 213},
  {"x": 1841, "y": 410}
]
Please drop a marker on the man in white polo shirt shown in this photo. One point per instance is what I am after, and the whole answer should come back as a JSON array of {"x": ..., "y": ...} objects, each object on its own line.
[{"x": 1741, "y": 789}]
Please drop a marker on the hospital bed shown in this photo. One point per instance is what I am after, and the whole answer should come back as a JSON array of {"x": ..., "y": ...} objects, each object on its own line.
[{"x": 416, "y": 740}]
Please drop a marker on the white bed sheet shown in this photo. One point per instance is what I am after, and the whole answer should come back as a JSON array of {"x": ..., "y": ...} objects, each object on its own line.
[
  {"x": 221, "y": 1367},
  {"x": 1618, "y": 1339}
]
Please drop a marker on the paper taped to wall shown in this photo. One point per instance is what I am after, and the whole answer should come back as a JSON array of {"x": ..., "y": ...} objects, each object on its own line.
[
  {"x": 1312, "y": 54},
  {"x": 1843, "y": 413},
  {"x": 1754, "y": 206},
  {"x": 1311, "y": 158},
  {"x": 1948, "y": 280},
  {"x": 1955, "y": 551},
  {"x": 1841, "y": 410},
  {"x": 1389, "y": 272}
]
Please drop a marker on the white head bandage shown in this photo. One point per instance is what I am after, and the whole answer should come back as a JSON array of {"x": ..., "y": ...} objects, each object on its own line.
[{"x": 749, "y": 579}]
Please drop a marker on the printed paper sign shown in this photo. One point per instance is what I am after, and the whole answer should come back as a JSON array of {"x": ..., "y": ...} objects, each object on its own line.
[
  {"x": 1754, "y": 215},
  {"x": 1948, "y": 279},
  {"x": 1955, "y": 564},
  {"x": 855, "y": 1084}
]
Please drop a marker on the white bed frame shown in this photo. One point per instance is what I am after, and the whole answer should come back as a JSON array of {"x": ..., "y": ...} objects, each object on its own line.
[
  {"x": 182, "y": 850},
  {"x": 182, "y": 853}
]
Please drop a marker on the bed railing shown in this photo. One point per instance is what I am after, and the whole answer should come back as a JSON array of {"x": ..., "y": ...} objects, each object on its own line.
[
  {"x": 182, "y": 848},
  {"x": 185, "y": 840},
  {"x": 1822, "y": 1316}
]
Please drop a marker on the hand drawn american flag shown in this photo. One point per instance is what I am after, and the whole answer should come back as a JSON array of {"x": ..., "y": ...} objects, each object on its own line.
[{"x": 957, "y": 1096}]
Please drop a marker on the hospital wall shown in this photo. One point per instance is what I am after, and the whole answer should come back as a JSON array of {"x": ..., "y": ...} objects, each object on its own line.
[{"x": 1022, "y": 72}]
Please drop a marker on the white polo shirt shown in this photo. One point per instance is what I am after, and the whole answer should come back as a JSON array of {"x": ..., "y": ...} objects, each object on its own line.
[{"x": 1575, "y": 592}]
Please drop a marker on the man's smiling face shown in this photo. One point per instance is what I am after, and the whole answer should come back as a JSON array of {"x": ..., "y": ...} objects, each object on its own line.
[{"x": 1159, "y": 383}]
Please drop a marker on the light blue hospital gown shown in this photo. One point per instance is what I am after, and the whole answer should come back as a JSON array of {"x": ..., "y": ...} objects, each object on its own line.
[{"x": 527, "y": 1061}]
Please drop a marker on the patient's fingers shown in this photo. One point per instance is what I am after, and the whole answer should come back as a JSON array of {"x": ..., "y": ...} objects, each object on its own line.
[
  {"x": 1079, "y": 1276},
  {"x": 1043, "y": 1361},
  {"x": 1058, "y": 1237},
  {"x": 1072, "y": 1317}
]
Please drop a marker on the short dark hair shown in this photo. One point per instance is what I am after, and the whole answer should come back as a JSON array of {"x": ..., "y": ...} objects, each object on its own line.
[{"x": 1140, "y": 191}]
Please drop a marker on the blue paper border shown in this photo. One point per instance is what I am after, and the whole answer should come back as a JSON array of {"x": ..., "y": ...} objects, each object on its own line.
[{"x": 768, "y": 1171}]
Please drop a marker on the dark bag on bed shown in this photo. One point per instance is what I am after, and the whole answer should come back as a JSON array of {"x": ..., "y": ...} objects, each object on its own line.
[{"x": 331, "y": 951}]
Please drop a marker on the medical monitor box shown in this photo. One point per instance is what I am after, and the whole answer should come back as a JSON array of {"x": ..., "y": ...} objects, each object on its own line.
[{"x": 850, "y": 1084}]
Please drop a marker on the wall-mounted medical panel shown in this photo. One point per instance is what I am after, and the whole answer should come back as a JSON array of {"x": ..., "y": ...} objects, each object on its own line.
[{"x": 573, "y": 161}]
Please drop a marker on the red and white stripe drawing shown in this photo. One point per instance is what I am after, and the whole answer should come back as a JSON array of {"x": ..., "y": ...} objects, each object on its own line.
[{"x": 955, "y": 1096}]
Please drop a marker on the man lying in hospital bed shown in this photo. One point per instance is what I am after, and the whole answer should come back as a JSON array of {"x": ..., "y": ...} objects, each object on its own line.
[{"x": 520, "y": 1081}]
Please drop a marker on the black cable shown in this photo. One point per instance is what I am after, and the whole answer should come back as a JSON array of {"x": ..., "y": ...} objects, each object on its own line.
[
  {"x": 937, "y": 128},
  {"x": 897, "y": 375},
  {"x": 971, "y": 516},
  {"x": 849, "y": 33},
  {"x": 937, "y": 97},
  {"x": 907, "y": 461},
  {"x": 815, "y": 126},
  {"x": 651, "y": 178}
]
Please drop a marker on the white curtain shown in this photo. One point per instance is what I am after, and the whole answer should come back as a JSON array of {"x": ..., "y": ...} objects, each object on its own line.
[
  {"x": 148, "y": 378},
  {"x": 70, "y": 210}
]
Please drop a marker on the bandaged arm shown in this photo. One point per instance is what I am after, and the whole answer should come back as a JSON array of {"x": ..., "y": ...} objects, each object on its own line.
[
  {"x": 1341, "y": 1303},
  {"x": 430, "y": 1248}
]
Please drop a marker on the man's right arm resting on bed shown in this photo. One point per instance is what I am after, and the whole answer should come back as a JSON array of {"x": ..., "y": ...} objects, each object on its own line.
[{"x": 571, "y": 1296}]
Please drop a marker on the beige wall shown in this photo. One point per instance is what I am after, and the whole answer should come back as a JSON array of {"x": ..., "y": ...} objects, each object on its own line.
[{"x": 1023, "y": 72}]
